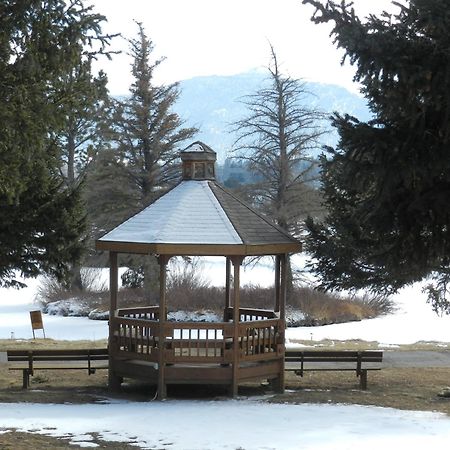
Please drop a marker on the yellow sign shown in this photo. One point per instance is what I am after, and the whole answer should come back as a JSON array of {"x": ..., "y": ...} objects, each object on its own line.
[{"x": 36, "y": 321}]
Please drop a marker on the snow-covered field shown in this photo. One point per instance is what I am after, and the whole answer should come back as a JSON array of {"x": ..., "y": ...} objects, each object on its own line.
[
  {"x": 234, "y": 424},
  {"x": 243, "y": 423}
]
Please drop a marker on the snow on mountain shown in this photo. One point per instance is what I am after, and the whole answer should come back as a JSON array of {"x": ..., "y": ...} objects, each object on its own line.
[{"x": 213, "y": 103}]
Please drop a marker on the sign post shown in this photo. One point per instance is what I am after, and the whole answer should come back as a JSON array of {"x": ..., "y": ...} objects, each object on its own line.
[{"x": 36, "y": 322}]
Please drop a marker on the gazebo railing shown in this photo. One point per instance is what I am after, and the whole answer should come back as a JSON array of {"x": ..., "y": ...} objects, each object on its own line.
[
  {"x": 138, "y": 338},
  {"x": 144, "y": 312},
  {"x": 137, "y": 333},
  {"x": 198, "y": 342},
  {"x": 261, "y": 340},
  {"x": 250, "y": 314}
]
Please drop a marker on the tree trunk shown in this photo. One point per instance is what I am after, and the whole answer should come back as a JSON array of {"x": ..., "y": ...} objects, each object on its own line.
[
  {"x": 151, "y": 277},
  {"x": 76, "y": 282},
  {"x": 289, "y": 281}
]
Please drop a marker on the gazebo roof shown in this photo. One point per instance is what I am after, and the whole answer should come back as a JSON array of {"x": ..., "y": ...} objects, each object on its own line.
[{"x": 198, "y": 217}]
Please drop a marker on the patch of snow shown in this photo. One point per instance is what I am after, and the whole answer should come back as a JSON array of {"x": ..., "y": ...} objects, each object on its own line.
[
  {"x": 294, "y": 318},
  {"x": 15, "y": 323},
  {"x": 193, "y": 316},
  {"x": 71, "y": 307},
  {"x": 97, "y": 314},
  {"x": 232, "y": 424},
  {"x": 413, "y": 321}
]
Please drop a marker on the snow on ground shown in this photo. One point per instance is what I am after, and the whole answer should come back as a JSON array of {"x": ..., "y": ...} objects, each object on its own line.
[
  {"x": 232, "y": 424},
  {"x": 15, "y": 307},
  {"x": 413, "y": 321}
]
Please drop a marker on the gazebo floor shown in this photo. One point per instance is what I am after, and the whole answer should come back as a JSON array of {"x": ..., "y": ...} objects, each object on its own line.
[{"x": 191, "y": 373}]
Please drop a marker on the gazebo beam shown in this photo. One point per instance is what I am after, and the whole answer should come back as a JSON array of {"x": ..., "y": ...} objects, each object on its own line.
[
  {"x": 227, "y": 288},
  {"x": 198, "y": 249},
  {"x": 283, "y": 285},
  {"x": 237, "y": 261},
  {"x": 277, "y": 283},
  {"x": 162, "y": 389},
  {"x": 113, "y": 380}
]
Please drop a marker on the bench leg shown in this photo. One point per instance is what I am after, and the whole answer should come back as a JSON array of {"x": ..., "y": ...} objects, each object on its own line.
[
  {"x": 25, "y": 378},
  {"x": 363, "y": 379}
]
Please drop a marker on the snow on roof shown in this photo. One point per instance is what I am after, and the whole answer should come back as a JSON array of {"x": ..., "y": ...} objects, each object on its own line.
[
  {"x": 199, "y": 147},
  {"x": 188, "y": 214}
]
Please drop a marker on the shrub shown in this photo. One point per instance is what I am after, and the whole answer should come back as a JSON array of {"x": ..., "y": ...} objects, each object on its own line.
[
  {"x": 133, "y": 278},
  {"x": 94, "y": 293},
  {"x": 188, "y": 291}
]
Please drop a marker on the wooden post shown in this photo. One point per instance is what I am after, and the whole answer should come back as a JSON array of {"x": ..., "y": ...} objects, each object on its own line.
[
  {"x": 237, "y": 261},
  {"x": 363, "y": 379},
  {"x": 277, "y": 283},
  {"x": 162, "y": 388},
  {"x": 114, "y": 381},
  {"x": 283, "y": 284},
  {"x": 227, "y": 288}
]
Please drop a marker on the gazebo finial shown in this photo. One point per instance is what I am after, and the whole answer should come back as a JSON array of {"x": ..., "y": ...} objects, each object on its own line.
[{"x": 198, "y": 162}]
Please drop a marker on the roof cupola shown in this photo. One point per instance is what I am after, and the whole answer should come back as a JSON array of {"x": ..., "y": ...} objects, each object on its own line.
[{"x": 198, "y": 162}]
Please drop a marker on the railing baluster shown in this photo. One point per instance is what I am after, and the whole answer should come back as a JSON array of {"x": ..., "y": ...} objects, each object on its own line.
[
  {"x": 253, "y": 341},
  {"x": 189, "y": 341}
]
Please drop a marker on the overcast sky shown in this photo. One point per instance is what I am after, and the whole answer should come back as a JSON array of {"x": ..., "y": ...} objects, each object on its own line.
[{"x": 224, "y": 37}]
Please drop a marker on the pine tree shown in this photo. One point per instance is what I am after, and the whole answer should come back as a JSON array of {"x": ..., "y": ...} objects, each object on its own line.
[
  {"x": 387, "y": 183},
  {"x": 147, "y": 132},
  {"x": 41, "y": 221},
  {"x": 85, "y": 100},
  {"x": 85, "y": 104},
  {"x": 276, "y": 140}
]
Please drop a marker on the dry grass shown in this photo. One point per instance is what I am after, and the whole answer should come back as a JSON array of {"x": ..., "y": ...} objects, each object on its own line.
[
  {"x": 14, "y": 440},
  {"x": 408, "y": 389}
]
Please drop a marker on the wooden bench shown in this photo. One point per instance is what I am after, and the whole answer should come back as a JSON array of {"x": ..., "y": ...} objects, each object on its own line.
[
  {"x": 318, "y": 360},
  {"x": 73, "y": 359}
]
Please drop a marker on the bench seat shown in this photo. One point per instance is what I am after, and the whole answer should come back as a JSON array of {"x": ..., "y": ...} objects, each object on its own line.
[
  {"x": 340, "y": 360},
  {"x": 73, "y": 359}
]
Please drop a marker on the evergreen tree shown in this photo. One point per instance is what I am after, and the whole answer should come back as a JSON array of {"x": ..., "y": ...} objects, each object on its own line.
[
  {"x": 41, "y": 221},
  {"x": 147, "y": 133},
  {"x": 387, "y": 183},
  {"x": 276, "y": 140},
  {"x": 85, "y": 101},
  {"x": 80, "y": 136}
]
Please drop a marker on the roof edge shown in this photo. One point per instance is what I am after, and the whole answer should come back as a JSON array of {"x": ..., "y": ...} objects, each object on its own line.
[{"x": 199, "y": 249}]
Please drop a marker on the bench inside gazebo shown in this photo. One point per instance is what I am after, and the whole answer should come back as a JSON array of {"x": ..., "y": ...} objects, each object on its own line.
[{"x": 198, "y": 218}]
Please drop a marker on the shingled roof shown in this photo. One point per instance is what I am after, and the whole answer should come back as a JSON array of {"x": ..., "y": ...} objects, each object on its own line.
[{"x": 198, "y": 217}]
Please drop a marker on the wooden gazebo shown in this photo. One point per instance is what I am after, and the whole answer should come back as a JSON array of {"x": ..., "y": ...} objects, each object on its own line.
[{"x": 198, "y": 218}]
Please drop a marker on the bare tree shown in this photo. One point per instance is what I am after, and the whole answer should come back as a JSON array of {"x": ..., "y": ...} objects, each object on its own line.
[{"x": 277, "y": 140}]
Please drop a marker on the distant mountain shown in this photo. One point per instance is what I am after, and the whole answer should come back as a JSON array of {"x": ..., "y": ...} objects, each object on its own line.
[{"x": 213, "y": 103}]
